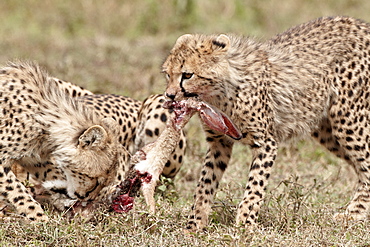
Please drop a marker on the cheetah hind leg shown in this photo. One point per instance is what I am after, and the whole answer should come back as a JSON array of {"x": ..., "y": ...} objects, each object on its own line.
[
  {"x": 359, "y": 206},
  {"x": 355, "y": 150}
]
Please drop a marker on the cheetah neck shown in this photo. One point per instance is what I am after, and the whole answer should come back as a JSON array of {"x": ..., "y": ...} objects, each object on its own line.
[{"x": 247, "y": 79}]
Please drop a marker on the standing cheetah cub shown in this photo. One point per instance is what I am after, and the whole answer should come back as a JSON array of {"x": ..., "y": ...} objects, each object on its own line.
[
  {"x": 312, "y": 79},
  {"x": 39, "y": 122}
]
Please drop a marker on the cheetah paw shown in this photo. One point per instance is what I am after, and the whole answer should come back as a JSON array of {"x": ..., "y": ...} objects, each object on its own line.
[{"x": 348, "y": 217}]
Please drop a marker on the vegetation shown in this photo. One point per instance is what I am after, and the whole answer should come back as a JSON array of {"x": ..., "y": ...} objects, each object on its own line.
[{"x": 118, "y": 47}]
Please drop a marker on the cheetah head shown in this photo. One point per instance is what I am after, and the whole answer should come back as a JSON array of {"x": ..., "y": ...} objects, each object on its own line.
[
  {"x": 92, "y": 163},
  {"x": 197, "y": 66}
]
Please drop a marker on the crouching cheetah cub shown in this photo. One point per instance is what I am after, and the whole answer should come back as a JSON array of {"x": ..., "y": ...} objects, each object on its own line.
[
  {"x": 39, "y": 122},
  {"x": 139, "y": 123},
  {"x": 312, "y": 79}
]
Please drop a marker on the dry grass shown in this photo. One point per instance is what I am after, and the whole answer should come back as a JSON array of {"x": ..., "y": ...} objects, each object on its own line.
[{"x": 118, "y": 47}]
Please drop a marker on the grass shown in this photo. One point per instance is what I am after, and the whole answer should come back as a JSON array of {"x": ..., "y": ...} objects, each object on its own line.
[{"x": 118, "y": 47}]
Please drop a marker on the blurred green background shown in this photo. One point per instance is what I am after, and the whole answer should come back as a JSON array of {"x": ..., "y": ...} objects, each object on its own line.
[{"x": 118, "y": 46}]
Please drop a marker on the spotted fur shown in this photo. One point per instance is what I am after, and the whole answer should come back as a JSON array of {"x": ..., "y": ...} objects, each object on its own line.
[
  {"x": 310, "y": 80},
  {"x": 40, "y": 123},
  {"x": 139, "y": 123}
]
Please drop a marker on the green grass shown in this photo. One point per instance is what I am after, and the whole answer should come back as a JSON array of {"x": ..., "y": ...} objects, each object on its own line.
[{"x": 118, "y": 47}]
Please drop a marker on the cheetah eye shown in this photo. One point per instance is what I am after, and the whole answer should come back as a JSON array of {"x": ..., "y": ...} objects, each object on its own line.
[
  {"x": 186, "y": 76},
  {"x": 168, "y": 76}
]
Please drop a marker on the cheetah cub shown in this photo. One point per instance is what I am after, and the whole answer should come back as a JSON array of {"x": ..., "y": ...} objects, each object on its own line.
[
  {"x": 312, "y": 79},
  {"x": 39, "y": 122}
]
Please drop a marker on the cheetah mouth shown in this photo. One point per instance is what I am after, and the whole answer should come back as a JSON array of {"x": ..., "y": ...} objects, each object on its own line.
[{"x": 210, "y": 115}]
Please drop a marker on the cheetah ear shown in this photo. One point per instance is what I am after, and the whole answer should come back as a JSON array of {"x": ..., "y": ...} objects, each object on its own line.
[
  {"x": 95, "y": 136},
  {"x": 182, "y": 39},
  {"x": 221, "y": 42}
]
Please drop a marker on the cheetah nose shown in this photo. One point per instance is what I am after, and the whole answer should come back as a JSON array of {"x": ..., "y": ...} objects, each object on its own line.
[{"x": 171, "y": 96}]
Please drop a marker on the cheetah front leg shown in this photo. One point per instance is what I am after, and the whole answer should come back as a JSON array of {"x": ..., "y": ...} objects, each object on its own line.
[
  {"x": 14, "y": 192},
  {"x": 217, "y": 158},
  {"x": 260, "y": 170}
]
